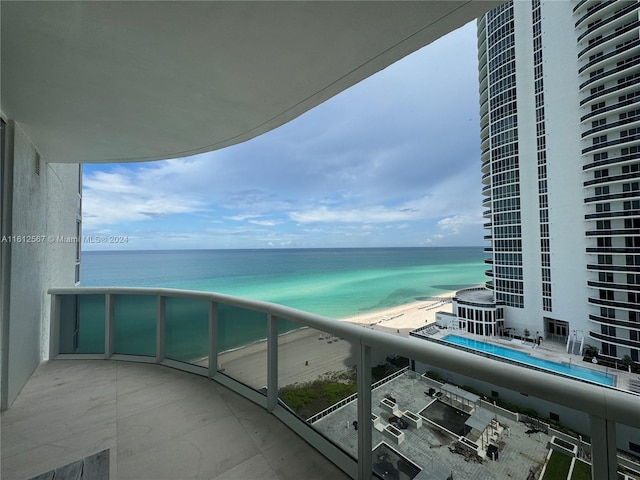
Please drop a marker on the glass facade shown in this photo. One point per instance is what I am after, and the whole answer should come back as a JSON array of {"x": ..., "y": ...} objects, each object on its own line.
[{"x": 500, "y": 154}]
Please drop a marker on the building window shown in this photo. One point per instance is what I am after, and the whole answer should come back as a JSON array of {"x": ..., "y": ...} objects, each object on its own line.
[
  {"x": 605, "y": 259},
  {"x": 606, "y": 294},
  {"x": 610, "y": 350},
  {"x": 607, "y": 312},
  {"x": 608, "y": 330},
  {"x": 606, "y": 277},
  {"x": 632, "y": 259}
]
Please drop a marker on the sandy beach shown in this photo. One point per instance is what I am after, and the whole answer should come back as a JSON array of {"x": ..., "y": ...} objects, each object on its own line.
[
  {"x": 306, "y": 354},
  {"x": 404, "y": 318}
]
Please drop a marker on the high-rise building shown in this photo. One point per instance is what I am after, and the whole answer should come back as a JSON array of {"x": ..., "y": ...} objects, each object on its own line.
[{"x": 560, "y": 121}]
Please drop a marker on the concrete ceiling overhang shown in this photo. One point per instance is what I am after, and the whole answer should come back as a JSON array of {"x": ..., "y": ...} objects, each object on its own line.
[{"x": 132, "y": 81}]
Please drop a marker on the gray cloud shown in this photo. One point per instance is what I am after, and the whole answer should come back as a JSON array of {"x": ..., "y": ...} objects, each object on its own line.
[{"x": 400, "y": 148}]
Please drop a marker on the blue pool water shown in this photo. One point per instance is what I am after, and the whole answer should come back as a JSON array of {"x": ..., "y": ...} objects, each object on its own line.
[{"x": 571, "y": 370}]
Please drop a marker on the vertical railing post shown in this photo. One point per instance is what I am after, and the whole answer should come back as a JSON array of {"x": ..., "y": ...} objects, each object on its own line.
[
  {"x": 54, "y": 332},
  {"x": 109, "y": 327},
  {"x": 160, "y": 328},
  {"x": 213, "y": 338},
  {"x": 604, "y": 456},
  {"x": 364, "y": 413},
  {"x": 272, "y": 362}
]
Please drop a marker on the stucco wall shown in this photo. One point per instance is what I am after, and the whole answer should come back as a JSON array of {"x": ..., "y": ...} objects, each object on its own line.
[{"x": 44, "y": 206}]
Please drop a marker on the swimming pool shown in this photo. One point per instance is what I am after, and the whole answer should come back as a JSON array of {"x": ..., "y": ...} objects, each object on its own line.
[{"x": 571, "y": 370}]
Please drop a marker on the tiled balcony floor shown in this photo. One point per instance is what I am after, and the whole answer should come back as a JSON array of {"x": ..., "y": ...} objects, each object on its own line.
[{"x": 159, "y": 423}]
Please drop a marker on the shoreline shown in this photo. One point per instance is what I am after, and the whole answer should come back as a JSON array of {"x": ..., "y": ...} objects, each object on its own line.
[
  {"x": 307, "y": 354},
  {"x": 400, "y": 320}
]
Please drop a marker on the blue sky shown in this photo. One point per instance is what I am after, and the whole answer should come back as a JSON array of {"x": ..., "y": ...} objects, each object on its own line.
[{"x": 393, "y": 161}]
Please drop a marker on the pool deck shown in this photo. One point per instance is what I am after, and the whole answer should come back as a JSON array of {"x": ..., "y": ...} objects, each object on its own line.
[{"x": 550, "y": 350}]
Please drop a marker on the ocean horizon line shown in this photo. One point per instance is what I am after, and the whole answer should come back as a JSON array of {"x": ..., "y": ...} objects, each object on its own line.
[{"x": 275, "y": 249}]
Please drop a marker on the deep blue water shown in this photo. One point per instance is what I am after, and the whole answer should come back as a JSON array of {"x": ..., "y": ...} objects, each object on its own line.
[{"x": 331, "y": 282}]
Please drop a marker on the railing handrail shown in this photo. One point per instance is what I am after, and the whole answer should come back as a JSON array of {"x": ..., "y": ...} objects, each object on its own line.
[{"x": 599, "y": 401}]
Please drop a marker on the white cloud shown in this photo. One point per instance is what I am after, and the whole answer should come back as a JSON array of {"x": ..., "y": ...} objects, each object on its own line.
[
  {"x": 392, "y": 161},
  {"x": 265, "y": 223},
  {"x": 456, "y": 224},
  {"x": 375, "y": 214},
  {"x": 111, "y": 198}
]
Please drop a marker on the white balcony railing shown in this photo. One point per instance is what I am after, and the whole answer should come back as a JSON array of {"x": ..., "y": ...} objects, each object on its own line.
[{"x": 192, "y": 331}]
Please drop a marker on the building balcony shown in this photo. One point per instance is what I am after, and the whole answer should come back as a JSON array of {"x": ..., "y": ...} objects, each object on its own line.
[
  {"x": 615, "y": 286},
  {"x": 613, "y": 303},
  {"x": 609, "y": 56},
  {"x": 592, "y": 11},
  {"x": 155, "y": 423},
  {"x": 163, "y": 422},
  {"x": 625, "y": 250},
  {"x": 612, "y": 196},
  {"x": 610, "y": 161},
  {"x": 601, "y": 112},
  {"x": 611, "y": 74},
  {"x": 614, "y": 19},
  {"x": 619, "y": 232},
  {"x": 613, "y": 214},
  {"x": 612, "y": 179},
  {"x": 611, "y": 37},
  {"x": 618, "y": 141},
  {"x": 623, "y": 342},
  {"x": 613, "y": 322}
]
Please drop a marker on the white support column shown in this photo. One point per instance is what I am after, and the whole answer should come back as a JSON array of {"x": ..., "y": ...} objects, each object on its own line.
[
  {"x": 213, "y": 339},
  {"x": 272, "y": 362},
  {"x": 604, "y": 461},
  {"x": 109, "y": 329},
  {"x": 160, "y": 328},
  {"x": 364, "y": 413}
]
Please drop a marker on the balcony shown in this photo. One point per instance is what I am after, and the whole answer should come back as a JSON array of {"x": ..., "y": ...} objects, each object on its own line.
[
  {"x": 623, "y": 342},
  {"x": 157, "y": 423},
  {"x": 197, "y": 332}
]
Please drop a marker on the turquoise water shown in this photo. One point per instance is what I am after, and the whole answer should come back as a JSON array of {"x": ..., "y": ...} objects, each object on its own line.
[
  {"x": 571, "y": 370},
  {"x": 332, "y": 282}
]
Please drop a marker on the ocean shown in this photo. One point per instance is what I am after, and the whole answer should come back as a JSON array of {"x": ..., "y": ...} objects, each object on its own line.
[{"x": 332, "y": 282}]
